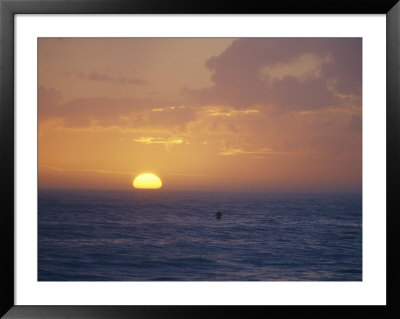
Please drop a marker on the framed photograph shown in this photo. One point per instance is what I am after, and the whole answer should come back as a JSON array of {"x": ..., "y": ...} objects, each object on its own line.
[{"x": 189, "y": 160}]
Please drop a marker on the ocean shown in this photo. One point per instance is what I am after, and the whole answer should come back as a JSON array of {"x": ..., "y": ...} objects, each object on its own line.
[{"x": 174, "y": 236}]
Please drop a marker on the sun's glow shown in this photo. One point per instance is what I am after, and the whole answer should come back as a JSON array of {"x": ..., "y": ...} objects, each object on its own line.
[{"x": 147, "y": 181}]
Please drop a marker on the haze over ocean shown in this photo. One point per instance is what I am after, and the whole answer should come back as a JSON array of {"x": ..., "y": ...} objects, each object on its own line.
[{"x": 97, "y": 235}]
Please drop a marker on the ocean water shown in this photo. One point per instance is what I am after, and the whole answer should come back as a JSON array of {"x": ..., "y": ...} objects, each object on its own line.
[{"x": 174, "y": 236}]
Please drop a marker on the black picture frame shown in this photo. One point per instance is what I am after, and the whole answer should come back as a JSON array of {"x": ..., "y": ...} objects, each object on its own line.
[{"x": 8, "y": 10}]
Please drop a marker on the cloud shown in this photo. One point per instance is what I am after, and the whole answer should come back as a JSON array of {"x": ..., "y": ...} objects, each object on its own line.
[
  {"x": 168, "y": 142},
  {"x": 106, "y": 112},
  {"x": 262, "y": 151},
  {"x": 158, "y": 140},
  {"x": 94, "y": 170},
  {"x": 290, "y": 74},
  {"x": 150, "y": 140},
  {"x": 102, "y": 77},
  {"x": 302, "y": 68},
  {"x": 228, "y": 112},
  {"x": 124, "y": 80},
  {"x": 172, "y": 116},
  {"x": 48, "y": 98}
]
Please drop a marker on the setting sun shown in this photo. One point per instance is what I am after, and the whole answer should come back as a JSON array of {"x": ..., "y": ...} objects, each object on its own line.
[{"x": 147, "y": 181}]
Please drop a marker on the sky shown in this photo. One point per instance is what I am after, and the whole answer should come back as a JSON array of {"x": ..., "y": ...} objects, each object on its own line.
[{"x": 213, "y": 114}]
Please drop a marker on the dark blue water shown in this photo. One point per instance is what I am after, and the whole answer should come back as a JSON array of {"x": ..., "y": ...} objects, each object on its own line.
[{"x": 156, "y": 235}]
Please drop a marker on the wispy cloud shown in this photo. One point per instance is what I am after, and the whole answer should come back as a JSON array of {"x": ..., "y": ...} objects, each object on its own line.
[
  {"x": 150, "y": 140},
  {"x": 111, "y": 111},
  {"x": 168, "y": 142},
  {"x": 168, "y": 108},
  {"x": 269, "y": 151},
  {"x": 102, "y": 77},
  {"x": 344, "y": 110},
  {"x": 158, "y": 140},
  {"x": 217, "y": 112},
  {"x": 189, "y": 175},
  {"x": 94, "y": 170},
  {"x": 105, "y": 171}
]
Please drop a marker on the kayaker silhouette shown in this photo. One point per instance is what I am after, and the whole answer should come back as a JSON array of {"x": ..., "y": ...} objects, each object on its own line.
[{"x": 218, "y": 215}]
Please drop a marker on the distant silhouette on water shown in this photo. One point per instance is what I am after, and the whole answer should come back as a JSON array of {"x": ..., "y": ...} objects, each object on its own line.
[{"x": 218, "y": 215}]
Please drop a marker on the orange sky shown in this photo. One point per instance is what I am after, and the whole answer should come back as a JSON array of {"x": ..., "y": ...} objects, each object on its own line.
[{"x": 203, "y": 114}]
